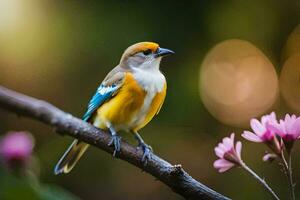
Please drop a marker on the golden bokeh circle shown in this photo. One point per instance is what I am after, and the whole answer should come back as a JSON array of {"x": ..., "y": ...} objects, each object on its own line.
[
  {"x": 290, "y": 82},
  {"x": 237, "y": 82},
  {"x": 292, "y": 45}
]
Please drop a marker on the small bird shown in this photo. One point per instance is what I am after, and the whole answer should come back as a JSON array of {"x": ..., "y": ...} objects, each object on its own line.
[{"x": 127, "y": 99}]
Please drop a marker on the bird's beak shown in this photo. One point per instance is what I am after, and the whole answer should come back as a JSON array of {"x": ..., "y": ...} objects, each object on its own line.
[{"x": 161, "y": 52}]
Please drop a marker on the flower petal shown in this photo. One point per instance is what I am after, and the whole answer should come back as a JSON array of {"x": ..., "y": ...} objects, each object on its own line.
[
  {"x": 224, "y": 148},
  {"x": 265, "y": 119},
  {"x": 238, "y": 148},
  {"x": 289, "y": 126},
  {"x": 251, "y": 137},
  {"x": 295, "y": 129},
  {"x": 257, "y": 127},
  {"x": 273, "y": 116},
  {"x": 287, "y": 117},
  {"x": 219, "y": 152},
  {"x": 293, "y": 117},
  {"x": 275, "y": 128},
  {"x": 224, "y": 169},
  {"x": 282, "y": 125},
  {"x": 222, "y": 163},
  {"x": 228, "y": 143},
  {"x": 232, "y": 137}
]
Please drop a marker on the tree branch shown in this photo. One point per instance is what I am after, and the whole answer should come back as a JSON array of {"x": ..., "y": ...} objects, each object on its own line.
[{"x": 172, "y": 175}]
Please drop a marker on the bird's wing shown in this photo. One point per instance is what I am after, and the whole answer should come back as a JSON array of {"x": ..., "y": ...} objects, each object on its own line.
[{"x": 107, "y": 89}]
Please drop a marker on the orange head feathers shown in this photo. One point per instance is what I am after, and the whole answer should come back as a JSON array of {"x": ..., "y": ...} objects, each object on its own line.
[
  {"x": 143, "y": 55},
  {"x": 140, "y": 47}
]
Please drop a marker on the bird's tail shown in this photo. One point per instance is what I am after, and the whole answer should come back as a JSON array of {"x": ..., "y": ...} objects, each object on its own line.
[{"x": 70, "y": 157}]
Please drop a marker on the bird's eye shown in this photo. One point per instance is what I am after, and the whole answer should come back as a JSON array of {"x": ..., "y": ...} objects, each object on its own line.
[{"x": 147, "y": 52}]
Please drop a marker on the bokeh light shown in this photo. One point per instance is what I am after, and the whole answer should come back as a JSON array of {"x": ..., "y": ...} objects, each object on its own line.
[
  {"x": 292, "y": 45},
  {"x": 290, "y": 82},
  {"x": 237, "y": 82},
  {"x": 10, "y": 14}
]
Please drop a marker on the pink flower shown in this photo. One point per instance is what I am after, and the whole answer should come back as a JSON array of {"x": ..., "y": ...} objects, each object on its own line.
[
  {"x": 16, "y": 148},
  {"x": 229, "y": 155},
  {"x": 261, "y": 130},
  {"x": 288, "y": 129}
]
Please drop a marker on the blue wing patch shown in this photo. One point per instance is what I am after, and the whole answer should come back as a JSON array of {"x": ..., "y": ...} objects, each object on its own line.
[{"x": 102, "y": 94}]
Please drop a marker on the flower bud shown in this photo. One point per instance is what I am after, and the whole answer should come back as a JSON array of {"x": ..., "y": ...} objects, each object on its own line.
[{"x": 269, "y": 157}]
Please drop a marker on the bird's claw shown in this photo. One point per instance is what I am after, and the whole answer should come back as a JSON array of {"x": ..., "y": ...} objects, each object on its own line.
[
  {"x": 116, "y": 142},
  {"x": 147, "y": 153}
]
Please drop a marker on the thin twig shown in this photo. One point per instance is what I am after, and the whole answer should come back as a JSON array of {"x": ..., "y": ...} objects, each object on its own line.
[
  {"x": 287, "y": 168},
  {"x": 261, "y": 181},
  {"x": 291, "y": 176},
  {"x": 173, "y": 176}
]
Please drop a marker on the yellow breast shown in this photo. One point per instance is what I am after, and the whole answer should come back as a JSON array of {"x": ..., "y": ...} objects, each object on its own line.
[
  {"x": 121, "y": 108},
  {"x": 127, "y": 105},
  {"x": 153, "y": 109}
]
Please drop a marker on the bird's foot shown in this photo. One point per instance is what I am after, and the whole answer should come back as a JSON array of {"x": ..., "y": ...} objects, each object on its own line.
[
  {"x": 147, "y": 155},
  {"x": 116, "y": 142}
]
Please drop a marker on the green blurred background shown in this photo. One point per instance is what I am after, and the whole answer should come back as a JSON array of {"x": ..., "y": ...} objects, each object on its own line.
[{"x": 60, "y": 51}]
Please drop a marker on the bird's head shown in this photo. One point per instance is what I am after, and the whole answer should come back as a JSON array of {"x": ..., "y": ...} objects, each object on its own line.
[{"x": 143, "y": 55}]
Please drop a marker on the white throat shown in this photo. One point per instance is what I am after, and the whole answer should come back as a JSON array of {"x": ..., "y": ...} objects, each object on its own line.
[{"x": 150, "y": 78}]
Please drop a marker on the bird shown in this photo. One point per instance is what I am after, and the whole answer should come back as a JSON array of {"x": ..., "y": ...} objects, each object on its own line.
[{"x": 127, "y": 99}]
